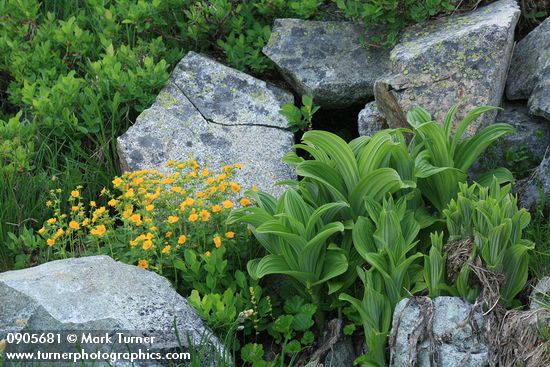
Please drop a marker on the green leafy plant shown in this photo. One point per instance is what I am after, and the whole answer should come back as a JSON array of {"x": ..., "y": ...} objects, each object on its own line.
[
  {"x": 491, "y": 217},
  {"x": 393, "y": 14},
  {"x": 442, "y": 159},
  {"x": 297, "y": 238},
  {"x": 387, "y": 240},
  {"x": 300, "y": 119}
]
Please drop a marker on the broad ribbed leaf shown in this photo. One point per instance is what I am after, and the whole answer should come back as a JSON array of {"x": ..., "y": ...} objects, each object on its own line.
[
  {"x": 317, "y": 215},
  {"x": 336, "y": 264},
  {"x": 275, "y": 264},
  {"x": 375, "y": 152},
  {"x": 418, "y": 116},
  {"x": 448, "y": 123},
  {"x": 339, "y": 152},
  {"x": 502, "y": 175},
  {"x": 466, "y": 121},
  {"x": 362, "y": 237},
  {"x": 469, "y": 150},
  {"x": 325, "y": 174},
  {"x": 292, "y": 159},
  {"x": 296, "y": 207},
  {"x": 357, "y": 144},
  {"x": 376, "y": 185},
  {"x": 310, "y": 258},
  {"x": 516, "y": 266}
]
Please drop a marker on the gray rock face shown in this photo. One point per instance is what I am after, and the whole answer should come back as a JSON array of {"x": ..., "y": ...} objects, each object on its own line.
[
  {"x": 370, "y": 120},
  {"x": 540, "y": 293},
  {"x": 341, "y": 355},
  {"x": 529, "y": 189},
  {"x": 529, "y": 76},
  {"x": 531, "y": 132},
  {"x": 456, "y": 338},
  {"x": 519, "y": 152},
  {"x": 326, "y": 61},
  {"x": 218, "y": 116},
  {"x": 99, "y": 295},
  {"x": 456, "y": 58}
]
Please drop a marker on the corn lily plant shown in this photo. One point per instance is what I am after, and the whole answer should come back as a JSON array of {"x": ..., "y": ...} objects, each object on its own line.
[
  {"x": 490, "y": 215},
  {"x": 442, "y": 159},
  {"x": 297, "y": 238},
  {"x": 387, "y": 241}
]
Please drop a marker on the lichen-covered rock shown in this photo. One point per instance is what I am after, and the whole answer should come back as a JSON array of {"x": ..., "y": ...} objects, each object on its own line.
[
  {"x": 521, "y": 151},
  {"x": 529, "y": 76},
  {"x": 457, "y": 58},
  {"x": 446, "y": 324},
  {"x": 100, "y": 296},
  {"x": 539, "y": 102},
  {"x": 326, "y": 61},
  {"x": 370, "y": 120},
  {"x": 529, "y": 190},
  {"x": 218, "y": 116}
]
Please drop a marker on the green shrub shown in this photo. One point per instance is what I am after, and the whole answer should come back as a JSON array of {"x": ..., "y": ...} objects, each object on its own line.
[
  {"x": 393, "y": 14},
  {"x": 77, "y": 74}
]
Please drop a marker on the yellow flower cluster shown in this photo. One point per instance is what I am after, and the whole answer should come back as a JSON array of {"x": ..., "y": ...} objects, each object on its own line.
[{"x": 158, "y": 213}]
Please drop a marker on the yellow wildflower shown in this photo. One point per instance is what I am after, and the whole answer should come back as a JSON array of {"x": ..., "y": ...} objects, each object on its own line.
[
  {"x": 75, "y": 193},
  {"x": 149, "y": 207},
  {"x": 235, "y": 187},
  {"x": 182, "y": 239},
  {"x": 189, "y": 201},
  {"x": 255, "y": 188},
  {"x": 144, "y": 264},
  {"x": 59, "y": 233},
  {"x": 238, "y": 166},
  {"x": 117, "y": 181},
  {"x": 193, "y": 217},
  {"x": 173, "y": 219},
  {"x": 204, "y": 172},
  {"x": 177, "y": 189},
  {"x": 99, "y": 230},
  {"x": 51, "y": 220},
  {"x": 147, "y": 244},
  {"x": 93, "y": 204},
  {"x": 85, "y": 222},
  {"x": 227, "y": 204},
  {"x": 217, "y": 241},
  {"x": 74, "y": 225},
  {"x": 245, "y": 201},
  {"x": 216, "y": 208},
  {"x": 50, "y": 242},
  {"x": 205, "y": 215},
  {"x": 168, "y": 234},
  {"x": 166, "y": 249},
  {"x": 136, "y": 218},
  {"x": 230, "y": 234},
  {"x": 111, "y": 202},
  {"x": 41, "y": 231},
  {"x": 75, "y": 208},
  {"x": 129, "y": 193},
  {"x": 207, "y": 254}
]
